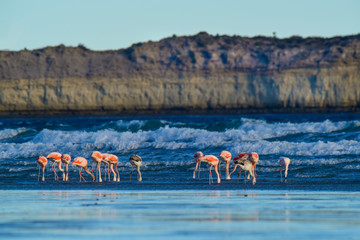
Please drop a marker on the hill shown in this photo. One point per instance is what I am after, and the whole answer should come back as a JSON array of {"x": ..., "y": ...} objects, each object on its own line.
[{"x": 200, "y": 73}]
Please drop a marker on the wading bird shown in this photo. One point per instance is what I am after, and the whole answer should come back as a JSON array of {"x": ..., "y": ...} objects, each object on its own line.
[
  {"x": 66, "y": 160},
  {"x": 135, "y": 160},
  {"x": 225, "y": 156},
  {"x": 211, "y": 160},
  {"x": 81, "y": 163},
  {"x": 97, "y": 158},
  {"x": 244, "y": 165},
  {"x": 284, "y": 162},
  {"x": 42, "y": 161},
  {"x": 113, "y": 161},
  {"x": 55, "y": 157}
]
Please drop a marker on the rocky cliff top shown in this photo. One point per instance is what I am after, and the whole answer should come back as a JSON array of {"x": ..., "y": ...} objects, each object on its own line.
[{"x": 185, "y": 56}]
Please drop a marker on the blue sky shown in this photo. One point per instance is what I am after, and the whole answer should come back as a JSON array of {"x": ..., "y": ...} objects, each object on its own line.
[{"x": 110, "y": 24}]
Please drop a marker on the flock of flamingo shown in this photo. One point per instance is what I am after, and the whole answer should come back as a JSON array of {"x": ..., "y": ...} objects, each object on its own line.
[
  {"x": 245, "y": 161},
  {"x": 110, "y": 161}
]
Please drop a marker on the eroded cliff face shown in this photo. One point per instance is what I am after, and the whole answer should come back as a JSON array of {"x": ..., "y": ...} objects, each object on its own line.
[{"x": 190, "y": 74}]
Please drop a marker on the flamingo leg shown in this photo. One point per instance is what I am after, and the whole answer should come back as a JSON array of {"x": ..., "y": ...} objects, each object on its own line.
[
  {"x": 67, "y": 172},
  {"x": 62, "y": 170},
  {"x": 139, "y": 173},
  {"x": 64, "y": 176},
  {"x": 218, "y": 175},
  {"x": 227, "y": 170},
  {"x": 210, "y": 176},
  {"x": 219, "y": 168},
  {"x": 112, "y": 169},
  {"x": 245, "y": 176},
  {"x": 117, "y": 172},
  {"x": 196, "y": 167},
  {"x": 234, "y": 169},
  {"x": 99, "y": 170},
  {"x": 81, "y": 177},
  {"x": 43, "y": 177},
  {"x": 92, "y": 175},
  {"x": 55, "y": 174},
  {"x": 281, "y": 176},
  {"x": 199, "y": 170},
  {"x": 39, "y": 175}
]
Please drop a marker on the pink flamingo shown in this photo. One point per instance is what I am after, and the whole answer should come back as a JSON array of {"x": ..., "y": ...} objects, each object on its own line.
[
  {"x": 81, "y": 163},
  {"x": 196, "y": 156},
  {"x": 42, "y": 161},
  {"x": 225, "y": 156},
  {"x": 113, "y": 161},
  {"x": 136, "y": 160},
  {"x": 66, "y": 159},
  {"x": 284, "y": 162},
  {"x": 55, "y": 157},
  {"x": 211, "y": 160},
  {"x": 97, "y": 158},
  {"x": 254, "y": 158},
  {"x": 245, "y": 165}
]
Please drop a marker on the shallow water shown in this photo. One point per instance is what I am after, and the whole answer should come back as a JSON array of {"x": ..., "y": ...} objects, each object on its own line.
[
  {"x": 180, "y": 214},
  {"x": 324, "y": 149},
  {"x": 320, "y": 199}
]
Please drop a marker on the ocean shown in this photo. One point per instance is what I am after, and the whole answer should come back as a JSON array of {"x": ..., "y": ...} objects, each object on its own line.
[{"x": 320, "y": 198}]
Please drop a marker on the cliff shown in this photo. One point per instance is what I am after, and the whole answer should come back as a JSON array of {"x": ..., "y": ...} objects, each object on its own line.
[{"x": 200, "y": 73}]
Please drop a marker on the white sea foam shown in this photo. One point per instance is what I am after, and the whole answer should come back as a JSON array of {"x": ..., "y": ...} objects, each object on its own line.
[
  {"x": 9, "y": 133},
  {"x": 352, "y": 167},
  {"x": 299, "y": 148},
  {"x": 250, "y": 136},
  {"x": 112, "y": 141},
  {"x": 259, "y": 129}
]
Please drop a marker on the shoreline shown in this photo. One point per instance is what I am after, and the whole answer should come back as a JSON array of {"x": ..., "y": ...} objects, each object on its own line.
[{"x": 165, "y": 112}]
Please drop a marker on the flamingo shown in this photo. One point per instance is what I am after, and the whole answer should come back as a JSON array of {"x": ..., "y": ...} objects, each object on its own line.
[
  {"x": 66, "y": 160},
  {"x": 81, "y": 163},
  {"x": 225, "y": 156},
  {"x": 113, "y": 161},
  {"x": 284, "y": 162},
  {"x": 97, "y": 158},
  {"x": 254, "y": 158},
  {"x": 55, "y": 157},
  {"x": 245, "y": 165},
  {"x": 196, "y": 156},
  {"x": 42, "y": 161},
  {"x": 211, "y": 160},
  {"x": 136, "y": 160}
]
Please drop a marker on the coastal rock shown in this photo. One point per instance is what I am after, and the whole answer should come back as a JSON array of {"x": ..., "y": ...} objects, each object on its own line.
[{"x": 200, "y": 73}]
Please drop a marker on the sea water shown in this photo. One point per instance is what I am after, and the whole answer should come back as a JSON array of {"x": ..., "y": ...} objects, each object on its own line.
[{"x": 320, "y": 199}]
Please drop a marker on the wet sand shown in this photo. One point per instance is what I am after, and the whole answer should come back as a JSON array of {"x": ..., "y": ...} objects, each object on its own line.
[{"x": 249, "y": 214}]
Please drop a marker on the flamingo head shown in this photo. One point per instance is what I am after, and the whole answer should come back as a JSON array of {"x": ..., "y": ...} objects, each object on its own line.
[
  {"x": 66, "y": 158},
  {"x": 243, "y": 156},
  {"x": 254, "y": 157},
  {"x": 225, "y": 156},
  {"x": 198, "y": 155},
  {"x": 42, "y": 161}
]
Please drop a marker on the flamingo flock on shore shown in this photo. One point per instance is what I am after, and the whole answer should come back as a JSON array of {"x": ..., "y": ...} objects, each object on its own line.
[
  {"x": 245, "y": 161},
  {"x": 110, "y": 161}
]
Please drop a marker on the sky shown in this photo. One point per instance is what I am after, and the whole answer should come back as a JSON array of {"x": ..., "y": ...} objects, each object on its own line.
[{"x": 116, "y": 24}]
